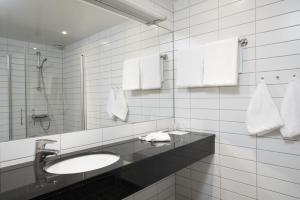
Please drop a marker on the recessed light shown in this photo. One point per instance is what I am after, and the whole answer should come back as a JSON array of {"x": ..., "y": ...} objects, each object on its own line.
[
  {"x": 34, "y": 48},
  {"x": 64, "y": 32},
  {"x": 104, "y": 42}
]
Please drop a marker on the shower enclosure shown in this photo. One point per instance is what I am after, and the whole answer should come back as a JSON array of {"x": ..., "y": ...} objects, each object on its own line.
[{"x": 31, "y": 95}]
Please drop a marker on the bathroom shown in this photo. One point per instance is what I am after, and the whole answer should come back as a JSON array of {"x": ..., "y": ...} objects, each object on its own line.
[{"x": 120, "y": 99}]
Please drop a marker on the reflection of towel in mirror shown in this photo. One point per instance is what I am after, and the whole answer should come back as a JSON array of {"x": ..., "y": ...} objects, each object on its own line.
[
  {"x": 131, "y": 74},
  {"x": 110, "y": 103},
  {"x": 262, "y": 114},
  {"x": 290, "y": 110},
  {"x": 150, "y": 70},
  {"x": 120, "y": 107}
]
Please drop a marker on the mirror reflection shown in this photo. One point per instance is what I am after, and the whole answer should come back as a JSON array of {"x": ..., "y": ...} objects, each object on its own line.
[{"x": 62, "y": 66}]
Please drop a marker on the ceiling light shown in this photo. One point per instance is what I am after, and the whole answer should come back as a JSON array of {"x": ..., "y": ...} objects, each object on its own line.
[
  {"x": 104, "y": 42},
  {"x": 34, "y": 48},
  {"x": 64, "y": 32}
]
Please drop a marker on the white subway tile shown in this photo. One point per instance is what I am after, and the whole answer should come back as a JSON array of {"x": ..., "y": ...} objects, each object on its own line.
[
  {"x": 239, "y": 188},
  {"x": 284, "y": 187},
  {"x": 81, "y": 138}
]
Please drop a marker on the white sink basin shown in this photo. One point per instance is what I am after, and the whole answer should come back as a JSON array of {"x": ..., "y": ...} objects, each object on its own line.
[{"x": 82, "y": 163}]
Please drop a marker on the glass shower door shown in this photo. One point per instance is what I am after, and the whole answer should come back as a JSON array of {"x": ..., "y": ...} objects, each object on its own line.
[{"x": 12, "y": 94}]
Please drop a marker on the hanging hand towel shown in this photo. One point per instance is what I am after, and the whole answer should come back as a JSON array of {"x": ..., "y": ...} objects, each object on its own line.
[
  {"x": 290, "y": 110},
  {"x": 120, "y": 107},
  {"x": 131, "y": 74},
  {"x": 190, "y": 67},
  {"x": 221, "y": 63},
  {"x": 110, "y": 103},
  {"x": 262, "y": 114},
  {"x": 151, "y": 72}
]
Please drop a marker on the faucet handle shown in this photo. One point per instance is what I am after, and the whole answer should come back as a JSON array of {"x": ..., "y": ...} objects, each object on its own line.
[{"x": 40, "y": 144}]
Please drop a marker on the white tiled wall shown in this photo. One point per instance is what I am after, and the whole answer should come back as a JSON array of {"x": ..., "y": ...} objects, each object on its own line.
[
  {"x": 36, "y": 100},
  {"x": 244, "y": 167},
  {"x": 24, "y": 61},
  {"x": 16, "y": 51},
  {"x": 104, "y": 54}
]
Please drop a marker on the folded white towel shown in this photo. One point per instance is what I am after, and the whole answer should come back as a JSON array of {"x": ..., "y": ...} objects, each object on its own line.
[
  {"x": 131, "y": 74},
  {"x": 178, "y": 132},
  {"x": 120, "y": 107},
  {"x": 156, "y": 137},
  {"x": 290, "y": 110},
  {"x": 190, "y": 67},
  {"x": 151, "y": 72},
  {"x": 110, "y": 103},
  {"x": 221, "y": 63},
  {"x": 262, "y": 114}
]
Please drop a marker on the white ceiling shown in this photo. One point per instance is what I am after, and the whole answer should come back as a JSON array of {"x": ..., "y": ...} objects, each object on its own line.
[{"x": 42, "y": 21}]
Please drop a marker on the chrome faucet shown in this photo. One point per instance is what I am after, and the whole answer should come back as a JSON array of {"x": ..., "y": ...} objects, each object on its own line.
[{"x": 41, "y": 153}]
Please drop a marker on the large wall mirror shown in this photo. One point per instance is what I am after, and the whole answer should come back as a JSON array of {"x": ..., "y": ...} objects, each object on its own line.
[{"x": 59, "y": 60}]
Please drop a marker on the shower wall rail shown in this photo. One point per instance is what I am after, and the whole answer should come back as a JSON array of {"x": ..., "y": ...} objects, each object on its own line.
[
  {"x": 83, "y": 94},
  {"x": 10, "y": 125}
]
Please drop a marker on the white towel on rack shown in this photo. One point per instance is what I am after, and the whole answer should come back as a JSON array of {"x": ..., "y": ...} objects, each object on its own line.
[
  {"x": 190, "y": 67},
  {"x": 131, "y": 74},
  {"x": 262, "y": 114},
  {"x": 151, "y": 72},
  {"x": 120, "y": 107},
  {"x": 290, "y": 110},
  {"x": 221, "y": 63},
  {"x": 110, "y": 103}
]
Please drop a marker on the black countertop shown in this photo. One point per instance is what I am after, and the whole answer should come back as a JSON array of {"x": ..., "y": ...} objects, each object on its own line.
[{"x": 141, "y": 164}]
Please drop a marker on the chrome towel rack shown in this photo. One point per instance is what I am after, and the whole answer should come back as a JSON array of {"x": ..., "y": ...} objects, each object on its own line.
[
  {"x": 243, "y": 42},
  {"x": 164, "y": 56}
]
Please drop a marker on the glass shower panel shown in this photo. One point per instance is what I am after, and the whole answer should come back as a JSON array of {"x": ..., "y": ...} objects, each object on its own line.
[
  {"x": 44, "y": 90},
  {"x": 72, "y": 90},
  {"x": 18, "y": 94},
  {"x": 12, "y": 84},
  {"x": 4, "y": 100}
]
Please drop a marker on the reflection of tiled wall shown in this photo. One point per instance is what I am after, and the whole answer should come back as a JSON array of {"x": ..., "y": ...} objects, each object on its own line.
[
  {"x": 20, "y": 151},
  {"x": 16, "y": 51},
  {"x": 104, "y": 54},
  {"x": 53, "y": 83},
  {"x": 244, "y": 167},
  {"x": 19, "y": 52}
]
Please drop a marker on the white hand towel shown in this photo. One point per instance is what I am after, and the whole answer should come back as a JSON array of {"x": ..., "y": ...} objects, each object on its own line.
[
  {"x": 262, "y": 114},
  {"x": 156, "y": 137},
  {"x": 120, "y": 107},
  {"x": 110, "y": 103},
  {"x": 131, "y": 74},
  {"x": 190, "y": 67},
  {"x": 151, "y": 72},
  {"x": 221, "y": 63},
  {"x": 290, "y": 110}
]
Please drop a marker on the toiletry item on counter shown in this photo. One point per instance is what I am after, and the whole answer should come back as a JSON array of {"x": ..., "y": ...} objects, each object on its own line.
[
  {"x": 159, "y": 136},
  {"x": 290, "y": 110},
  {"x": 131, "y": 74},
  {"x": 221, "y": 63},
  {"x": 151, "y": 72},
  {"x": 262, "y": 114},
  {"x": 190, "y": 67}
]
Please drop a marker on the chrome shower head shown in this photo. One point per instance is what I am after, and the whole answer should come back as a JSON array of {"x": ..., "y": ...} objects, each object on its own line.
[{"x": 42, "y": 64}]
